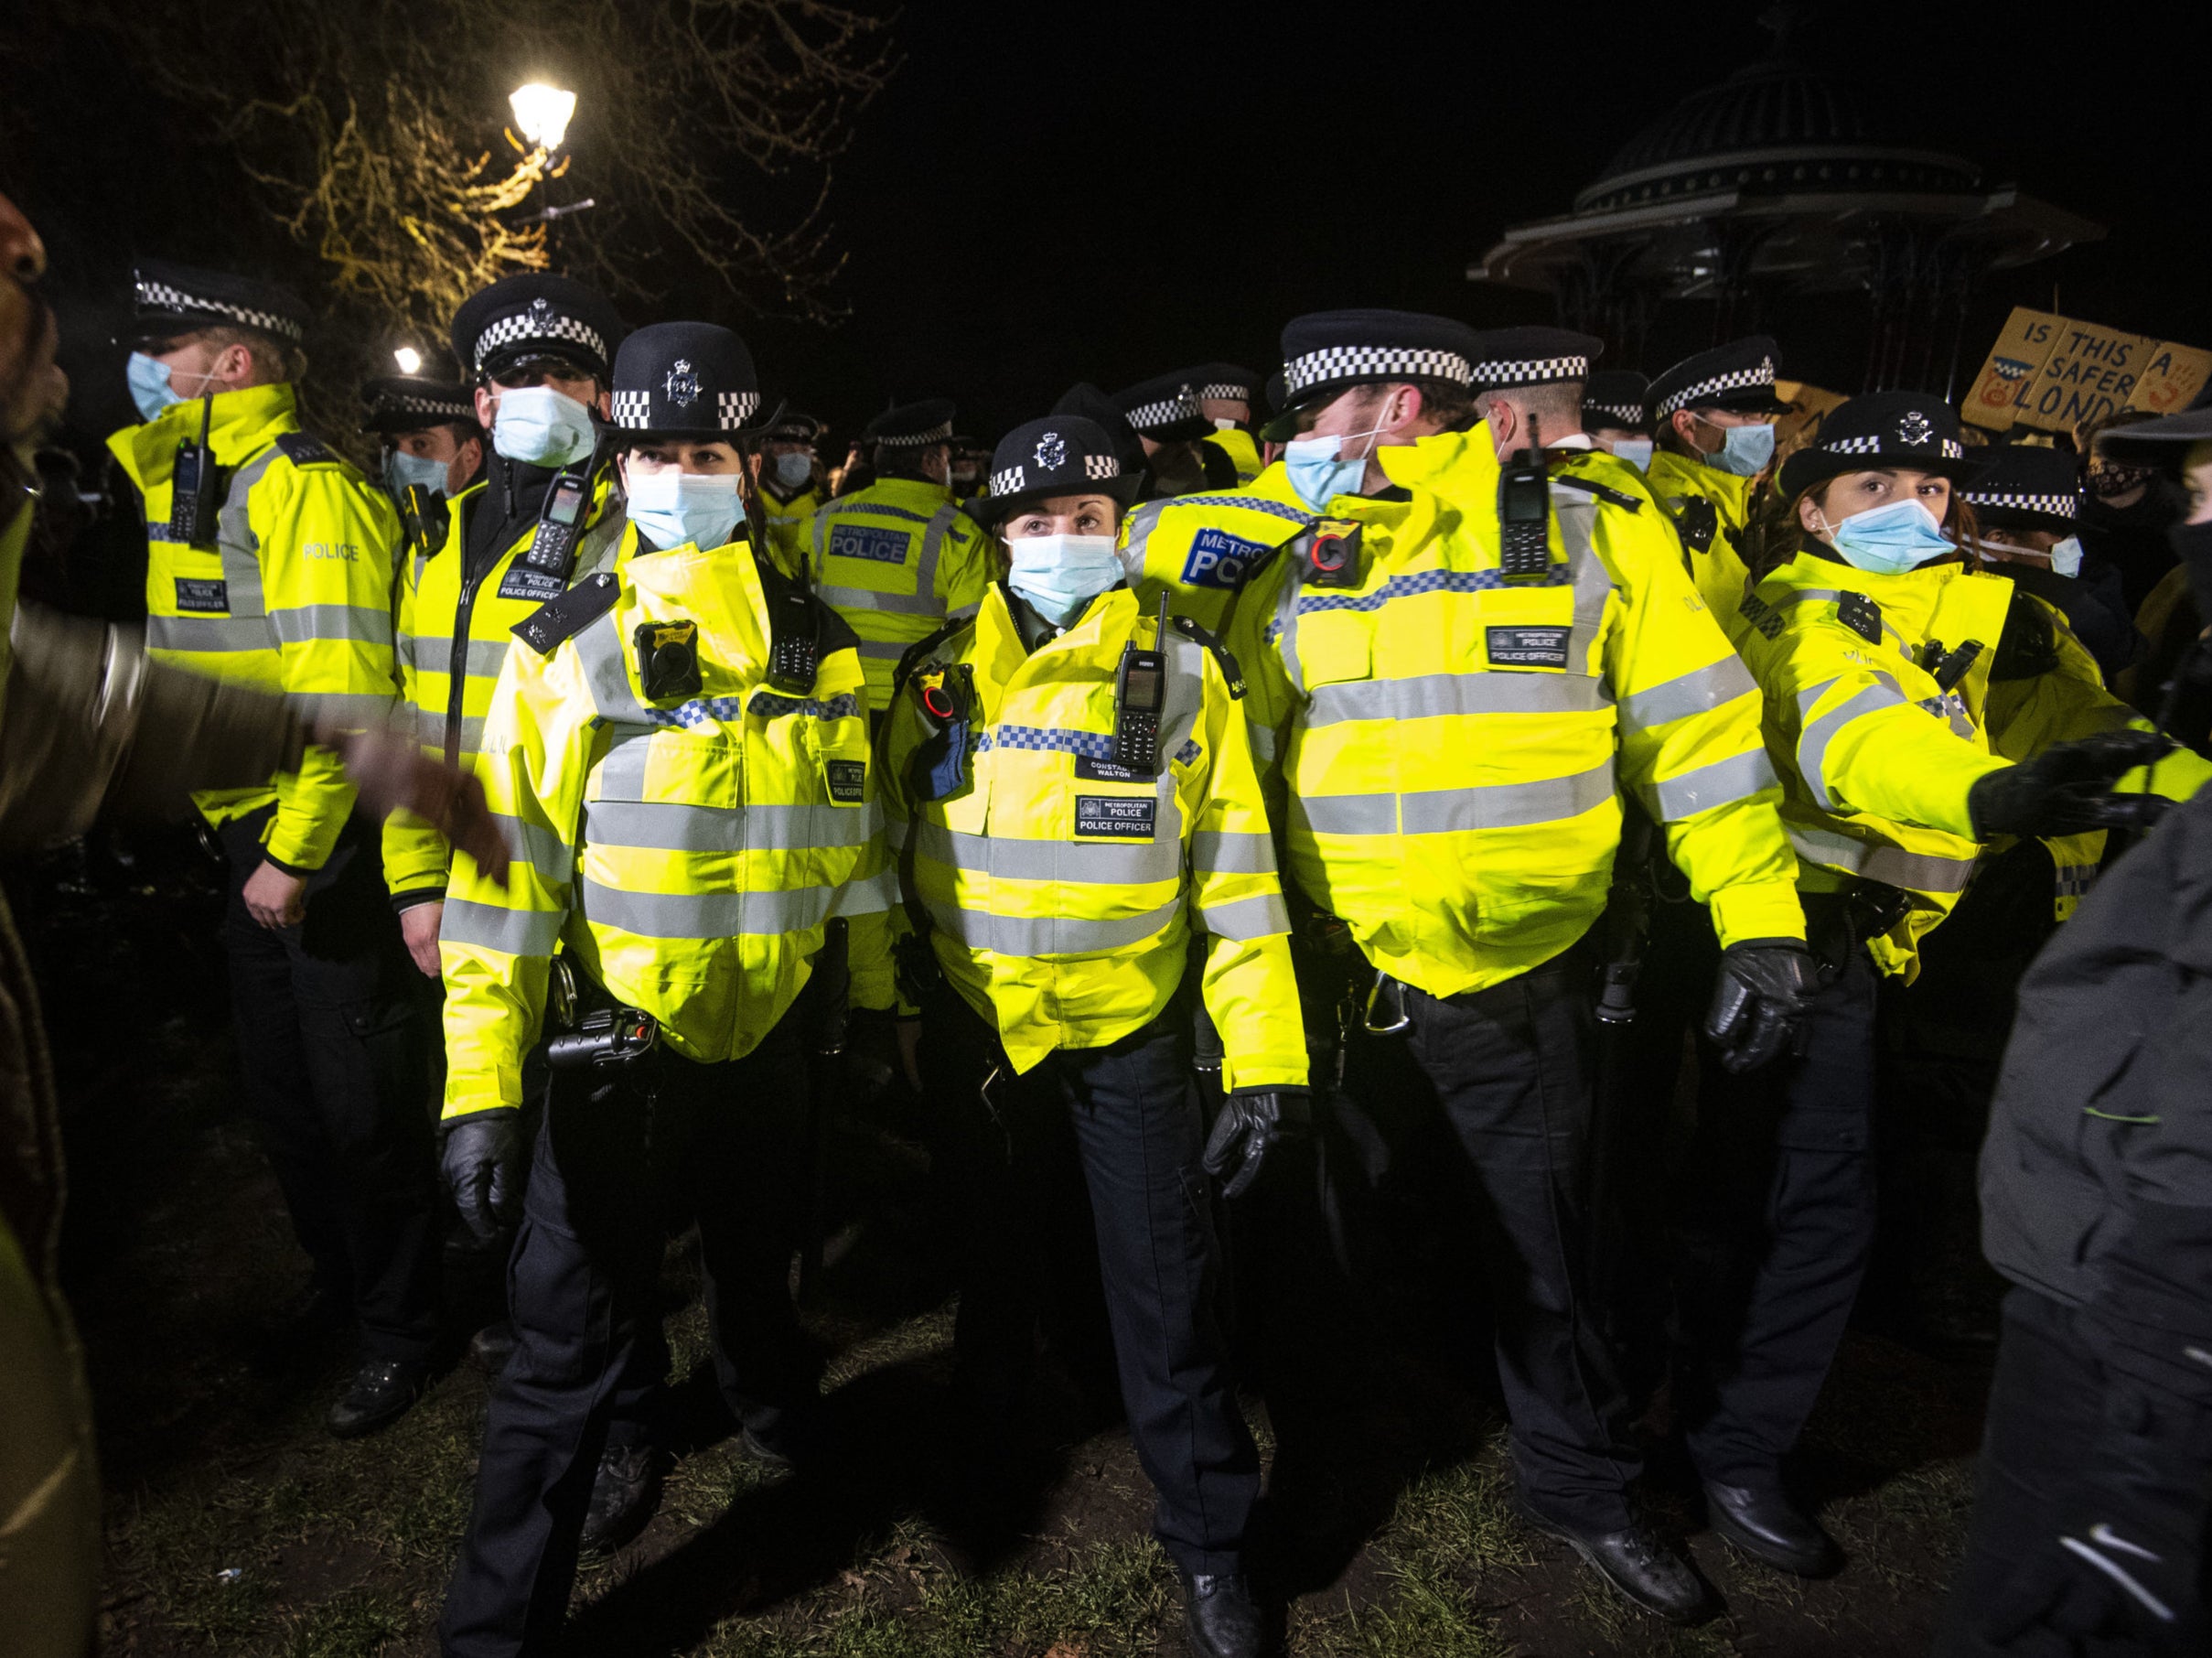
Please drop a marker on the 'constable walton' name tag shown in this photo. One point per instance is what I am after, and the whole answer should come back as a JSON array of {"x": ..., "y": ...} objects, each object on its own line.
[
  {"x": 1528, "y": 647},
  {"x": 1122, "y": 816},
  {"x": 1106, "y": 772}
]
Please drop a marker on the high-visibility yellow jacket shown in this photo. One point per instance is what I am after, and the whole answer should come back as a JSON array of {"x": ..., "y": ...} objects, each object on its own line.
[
  {"x": 1243, "y": 454},
  {"x": 452, "y": 637},
  {"x": 1060, "y": 889},
  {"x": 1451, "y": 744},
  {"x": 294, "y": 596},
  {"x": 687, "y": 850},
  {"x": 1202, "y": 548},
  {"x": 1876, "y": 758},
  {"x": 790, "y": 526},
  {"x": 1720, "y": 570},
  {"x": 897, "y": 560}
]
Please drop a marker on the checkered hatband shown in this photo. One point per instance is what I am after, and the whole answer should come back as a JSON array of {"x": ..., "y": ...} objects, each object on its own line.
[
  {"x": 1760, "y": 376},
  {"x": 2050, "y": 506},
  {"x": 1620, "y": 413},
  {"x": 1226, "y": 390},
  {"x": 161, "y": 296},
  {"x": 1373, "y": 362},
  {"x": 1870, "y": 443},
  {"x": 1146, "y": 416},
  {"x": 1532, "y": 372},
  {"x": 1013, "y": 480},
  {"x": 634, "y": 412},
  {"x": 919, "y": 440},
  {"x": 429, "y": 408},
  {"x": 535, "y": 323}
]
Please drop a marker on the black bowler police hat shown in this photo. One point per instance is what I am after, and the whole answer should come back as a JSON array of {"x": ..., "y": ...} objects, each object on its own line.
[
  {"x": 1505, "y": 358},
  {"x": 536, "y": 317},
  {"x": 409, "y": 402},
  {"x": 2025, "y": 486},
  {"x": 1086, "y": 401},
  {"x": 1915, "y": 430},
  {"x": 1327, "y": 352},
  {"x": 1738, "y": 376},
  {"x": 911, "y": 426},
  {"x": 687, "y": 380},
  {"x": 170, "y": 300},
  {"x": 1059, "y": 455},
  {"x": 1617, "y": 397},
  {"x": 1164, "y": 408}
]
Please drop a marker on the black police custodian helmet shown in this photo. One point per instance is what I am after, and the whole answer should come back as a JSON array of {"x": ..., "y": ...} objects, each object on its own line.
[
  {"x": 685, "y": 379},
  {"x": 1916, "y": 431},
  {"x": 1328, "y": 352},
  {"x": 1618, "y": 397},
  {"x": 911, "y": 426},
  {"x": 170, "y": 300},
  {"x": 1738, "y": 376},
  {"x": 534, "y": 317},
  {"x": 1059, "y": 455},
  {"x": 2025, "y": 486},
  {"x": 1164, "y": 408},
  {"x": 409, "y": 402}
]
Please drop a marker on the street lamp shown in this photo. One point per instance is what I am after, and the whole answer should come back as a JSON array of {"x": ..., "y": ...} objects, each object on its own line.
[
  {"x": 541, "y": 113},
  {"x": 409, "y": 359}
]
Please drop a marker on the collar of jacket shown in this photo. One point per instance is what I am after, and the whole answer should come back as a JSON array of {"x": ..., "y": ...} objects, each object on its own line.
[
  {"x": 507, "y": 507},
  {"x": 1944, "y": 601},
  {"x": 240, "y": 424},
  {"x": 632, "y": 544},
  {"x": 720, "y": 589},
  {"x": 1000, "y": 653},
  {"x": 915, "y": 494}
]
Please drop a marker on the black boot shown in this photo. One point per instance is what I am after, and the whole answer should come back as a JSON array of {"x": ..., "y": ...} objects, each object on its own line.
[
  {"x": 1765, "y": 1524},
  {"x": 380, "y": 1393},
  {"x": 625, "y": 1495},
  {"x": 1222, "y": 1619},
  {"x": 1634, "y": 1564}
]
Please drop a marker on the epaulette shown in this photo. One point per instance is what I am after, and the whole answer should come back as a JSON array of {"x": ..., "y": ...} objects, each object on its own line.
[
  {"x": 1192, "y": 631},
  {"x": 1604, "y": 492},
  {"x": 305, "y": 449},
  {"x": 1761, "y": 615},
  {"x": 568, "y": 614},
  {"x": 1861, "y": 614},
  {"x": 917, "y": 654},
  {"x": 1697, "y": 521},
  {"x": 2028, "y": 648}
]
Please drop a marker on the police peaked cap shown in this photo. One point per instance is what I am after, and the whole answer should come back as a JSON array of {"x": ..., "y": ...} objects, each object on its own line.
[
  {"x": 1164, "y": 408},
  {"x": 2026, "y": 486},
  {"x": 533, "y": 315},
  {"x": 685, "y": 378},
  {"x": 170, "y": 300},
  {"x": 1086, "y": 400},
  {"x": 409, "y": 402},
  {"x": 791, "y": 427},
  {"x": 911, "y": 426},
  {"x": 1738, "y": 376},
  {"x": 1505, "y": 358},
  {"x": 1916, "y": 431},
  {"x": 1618, "y": 397},
  {"x": 1059, "y": 455},
  {"x": 1224, "y": 380},
  {"x": 1327, "y": 352}
]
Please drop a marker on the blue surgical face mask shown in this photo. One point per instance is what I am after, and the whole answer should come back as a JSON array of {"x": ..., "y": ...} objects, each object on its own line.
[
  {"x": 1061, "y": 574},
  {"x": 151, "y": 385},
  {"x": 2066, "y": 557},
  {"x": 1890, "y": 540},
  {"x": 1745, "y": 451},
  {"x": 1318, "y": 472},
  {"x": 1636, "y": 451},
  {"x": 541, "y": 428},
  {"x": 404, "y": 472},
  {"x": 793, "y": 467},
  {"x": 672, "y": 508}
]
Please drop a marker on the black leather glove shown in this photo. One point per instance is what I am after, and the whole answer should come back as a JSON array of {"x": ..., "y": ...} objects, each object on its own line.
[
  {"x": 1253, "y": 1121},
  {"x": 1762, "y": 1002},
  {"x": 483, "y": 1163},
  {"x": 2067, "y": 789}
]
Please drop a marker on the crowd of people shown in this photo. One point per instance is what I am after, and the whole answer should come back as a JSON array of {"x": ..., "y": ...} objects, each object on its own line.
[{"x": 1167, "y": 803}]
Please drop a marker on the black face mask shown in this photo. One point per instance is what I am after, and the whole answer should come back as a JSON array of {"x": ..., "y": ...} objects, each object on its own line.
[{"x": 2192, "y": 545}]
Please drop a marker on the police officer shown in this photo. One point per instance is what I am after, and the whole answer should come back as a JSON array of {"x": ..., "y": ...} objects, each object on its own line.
[
  {"x": 680, "y": 744},
  {"x": 1064, "y": 775},
  {"x": 1713, "y": 419},
  {"x": 1163, "y": 411},
  {"x": 1616, "y": 413},
  {"x": 1227, "y": 396},
  {"x": 431, "y": 438},
  {"x": 269, "y": 563},
  {"x": 545, "y": 513},
  {"x": 792, "y": 486},
  {"x": 1916, "y": 708},
  {"x": 2028, "y": 501},
  {"x": 1453, "y": 677},
  {"x": 898, "y": 558}
]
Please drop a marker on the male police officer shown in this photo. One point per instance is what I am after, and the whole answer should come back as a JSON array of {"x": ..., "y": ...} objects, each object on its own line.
[
  {"x": 1713, "y": 416},
  {"x": 430, "y": 435},
  {"x": 792, "y": 487},
  {"x": 270, "y": 565},
  {"x": 1163, "y": 411},
  {"x": 1226, "y": 397},
  {"x": 679, "y": 744},
  {"x": 898, "y": 558},
  {"x": 1449, "y": 676},
  {"x": 1616, "y": 413},
  {"x": 538, "y": 348}
]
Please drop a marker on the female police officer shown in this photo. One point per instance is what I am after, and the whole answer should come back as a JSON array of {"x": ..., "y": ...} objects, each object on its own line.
[
  {"x": 680, "y": 750},
  {"x": 1069, "y": 789}
]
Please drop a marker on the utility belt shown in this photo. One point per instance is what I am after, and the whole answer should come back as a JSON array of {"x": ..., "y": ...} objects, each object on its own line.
[
  {"x": 1838, "y": 923},
  {"x": 593, "y": 1029}
]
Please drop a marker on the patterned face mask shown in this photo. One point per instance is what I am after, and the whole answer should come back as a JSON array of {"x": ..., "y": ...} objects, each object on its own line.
[{"x": 2105, "y": 480}]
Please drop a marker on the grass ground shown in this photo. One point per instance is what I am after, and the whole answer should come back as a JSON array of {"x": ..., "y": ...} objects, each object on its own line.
[{"x": 236, "y": 1526}]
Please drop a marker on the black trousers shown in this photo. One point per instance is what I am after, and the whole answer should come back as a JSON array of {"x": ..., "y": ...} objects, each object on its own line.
[
  {"x": 1777, "y": 1234},
  {"x": 1511, "y": 1067},
  {"x": 2052, "y": 1401},
  {"x": 1134, "y": 1109},
  {"x": 330, "y": 1049},
  {"x": 620, "y": 1153}
]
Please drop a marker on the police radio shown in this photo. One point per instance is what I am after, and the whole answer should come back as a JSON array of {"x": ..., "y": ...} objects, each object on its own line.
[
  {"x": 553, "y": 545},
  {"x": 1524, "y": 510},
  {"x": 1140, "y": 692},
  {"x": 194, "y": 484}
]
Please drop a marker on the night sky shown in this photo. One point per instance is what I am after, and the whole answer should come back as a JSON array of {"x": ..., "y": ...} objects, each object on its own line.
[{"x": 1047, "y": 193}]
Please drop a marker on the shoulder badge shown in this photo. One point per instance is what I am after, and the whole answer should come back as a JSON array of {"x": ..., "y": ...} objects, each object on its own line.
[
  {"x": 1862, "y": 615},
  {"x": 1697, "y": 521},
  {"x": 568, "y": 614},
  {"x": 1225, "y": 657},
  {"x": 304, "y": 450}
]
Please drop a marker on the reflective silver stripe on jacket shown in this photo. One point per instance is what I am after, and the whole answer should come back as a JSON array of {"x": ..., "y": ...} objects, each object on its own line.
[
  {"x": 208, "y": 633},
  {"x": 1049, "y": 935},
  {"x": 532, "y": 932},
  {"x": 1812, "y": 742},
  {"x": 313, "y": 624},
  {"x": 674, "y": 826},
  {"x": 486, "y": 656},
  {"x": 1257, "y": 917},
  {"x": 1220, "y": 852},
  {"x": 1722, "y": 783},
  {"x": 1913, "y": 871},
  {"x": 1455, "y": 810},
  {"x": 1076, "y": 863},
  {"x": 348, "y": 710},
  {"x": 234, "y": 536},
  {"x": 1434, "y": 696},
  {"x": 699, "y": 916},
  {"x": 430, "y": 731},
  {"x": 542, "y": 848},
  {"x": 1699, "y": 691}
]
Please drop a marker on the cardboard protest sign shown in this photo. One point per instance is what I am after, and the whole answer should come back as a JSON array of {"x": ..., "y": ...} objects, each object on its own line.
[
  {"x": 2013, "y": 362},
  {"x": 2054, "y": 373},
  {"x": 2170, "y": 379}
]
